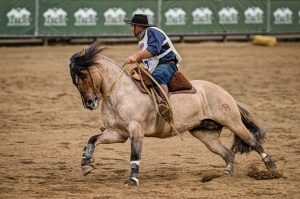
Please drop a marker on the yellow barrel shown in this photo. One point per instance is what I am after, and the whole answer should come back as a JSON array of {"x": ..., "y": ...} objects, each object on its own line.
[{"x": 264, "y": 40}]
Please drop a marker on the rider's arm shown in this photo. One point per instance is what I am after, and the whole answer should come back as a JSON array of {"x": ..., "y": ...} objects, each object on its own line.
[
  {"x": 154, "y": 42},
  {"x": 138, "y": 56}
]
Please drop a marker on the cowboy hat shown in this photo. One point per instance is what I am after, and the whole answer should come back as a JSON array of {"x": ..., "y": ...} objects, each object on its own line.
[{"x": 139, "y": 19}]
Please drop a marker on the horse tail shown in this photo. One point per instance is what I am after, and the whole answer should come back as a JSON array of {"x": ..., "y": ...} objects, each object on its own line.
[{"x": 248, "y": 120}]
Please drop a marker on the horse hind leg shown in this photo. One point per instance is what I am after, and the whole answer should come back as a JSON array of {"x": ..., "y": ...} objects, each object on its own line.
[
  {"x": 245, "y": 140},
  {"x": 248, "y": 136},
  {"x": 208, "y": 132}
]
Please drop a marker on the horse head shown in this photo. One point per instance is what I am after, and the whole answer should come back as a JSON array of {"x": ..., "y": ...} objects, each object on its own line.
[{"x": 86, "y": 75}]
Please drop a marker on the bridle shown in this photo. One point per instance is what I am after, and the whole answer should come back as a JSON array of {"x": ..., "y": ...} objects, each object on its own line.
[
  {"x": 76, "y": 73},
  {"x": 107, "y": 95}
]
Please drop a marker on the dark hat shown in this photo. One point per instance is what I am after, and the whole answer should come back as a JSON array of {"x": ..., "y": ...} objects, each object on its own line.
[{"x": 139, "y": 19}]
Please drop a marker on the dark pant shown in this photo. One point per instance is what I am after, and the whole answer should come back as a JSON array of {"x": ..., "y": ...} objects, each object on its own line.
[{"x": 164, "y": 72}]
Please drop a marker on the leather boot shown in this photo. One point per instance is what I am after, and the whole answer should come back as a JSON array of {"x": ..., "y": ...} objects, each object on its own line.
[{"x": 163, "y": 107}]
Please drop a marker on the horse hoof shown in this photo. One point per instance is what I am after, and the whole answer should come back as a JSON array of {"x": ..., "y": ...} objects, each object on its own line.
[
  {"x": 131, "y": 183},
  {"x": 229, "y": 169},
  {"x": 228, "y": 173},
  {"x": 86, "y": 169},
  {"x": 270, "y": 164}
]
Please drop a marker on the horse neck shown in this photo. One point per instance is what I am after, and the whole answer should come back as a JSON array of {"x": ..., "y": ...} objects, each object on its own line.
[{"x": 110, "y": 71}]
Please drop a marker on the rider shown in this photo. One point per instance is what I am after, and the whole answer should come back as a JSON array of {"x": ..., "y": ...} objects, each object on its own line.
[{"x": 158, "y": 55}]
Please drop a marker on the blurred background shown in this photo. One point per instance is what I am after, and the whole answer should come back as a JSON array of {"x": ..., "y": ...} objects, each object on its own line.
[{"x": 82, "y": 21}]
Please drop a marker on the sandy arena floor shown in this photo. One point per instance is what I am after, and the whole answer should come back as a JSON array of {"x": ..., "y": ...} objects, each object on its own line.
[{"x": 44, "y": 128}]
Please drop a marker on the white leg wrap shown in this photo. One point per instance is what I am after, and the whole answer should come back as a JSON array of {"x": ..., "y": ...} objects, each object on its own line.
[
  {"x": 263, "y": 155},
  {"x": 228, "y": 166},
  {"x": 135, "y": 162},
  {"x": 135, "y": 179}
]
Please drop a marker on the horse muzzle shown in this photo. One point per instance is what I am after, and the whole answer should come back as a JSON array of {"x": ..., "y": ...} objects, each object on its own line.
[{"x": 92, "y": 103}]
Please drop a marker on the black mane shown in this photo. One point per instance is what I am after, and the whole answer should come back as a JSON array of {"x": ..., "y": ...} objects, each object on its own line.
[{"x": 85, "y": 58}]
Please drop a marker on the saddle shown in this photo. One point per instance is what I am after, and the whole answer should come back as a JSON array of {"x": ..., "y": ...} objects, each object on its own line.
[{"x": 177, "y": 84}]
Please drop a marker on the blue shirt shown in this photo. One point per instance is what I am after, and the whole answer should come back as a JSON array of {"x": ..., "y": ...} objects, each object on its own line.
[{"x": 155, "y": 47}]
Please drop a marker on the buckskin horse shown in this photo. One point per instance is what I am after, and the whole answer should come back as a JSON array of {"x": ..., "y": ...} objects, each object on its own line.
[{"x": 208, "y": 110}]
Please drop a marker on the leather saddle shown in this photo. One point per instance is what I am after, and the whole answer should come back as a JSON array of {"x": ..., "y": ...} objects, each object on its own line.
[{"x": 177, "y": 84}]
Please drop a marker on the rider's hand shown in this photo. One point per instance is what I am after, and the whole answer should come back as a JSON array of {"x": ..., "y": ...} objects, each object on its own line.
[
  {"x": 132, "y": 59},
  {"x": 138, "y": 57}
]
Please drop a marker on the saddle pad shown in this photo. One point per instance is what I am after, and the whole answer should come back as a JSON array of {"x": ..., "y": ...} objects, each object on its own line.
[
  {"x": 141, "y": 88},
  {"x": 177, "y": 83}
]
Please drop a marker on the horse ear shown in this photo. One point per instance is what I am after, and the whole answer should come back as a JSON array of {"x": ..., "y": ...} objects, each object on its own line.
[{"x": 82, "y": 52}]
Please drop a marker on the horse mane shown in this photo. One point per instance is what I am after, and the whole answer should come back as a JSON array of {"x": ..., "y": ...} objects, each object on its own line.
[
  {"x": 87, "y": 57},
  {"x": 84, "y": 59}
]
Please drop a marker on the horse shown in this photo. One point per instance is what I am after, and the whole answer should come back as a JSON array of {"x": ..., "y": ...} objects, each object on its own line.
[{"x": 129, "y": 113}]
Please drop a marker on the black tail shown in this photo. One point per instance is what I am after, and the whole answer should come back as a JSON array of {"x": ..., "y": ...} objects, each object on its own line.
[{"x": 247, "y": 118}]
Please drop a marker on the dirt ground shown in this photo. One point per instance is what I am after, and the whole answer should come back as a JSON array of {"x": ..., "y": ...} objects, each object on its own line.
[{"x": 44, "y": 127}]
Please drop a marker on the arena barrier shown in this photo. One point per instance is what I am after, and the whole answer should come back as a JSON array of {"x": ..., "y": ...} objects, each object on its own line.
[{"x": 96, "y": 18}]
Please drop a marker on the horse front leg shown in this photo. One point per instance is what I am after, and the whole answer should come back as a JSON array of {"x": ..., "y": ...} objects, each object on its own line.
[
  {"x": 87, "y": 162},
  {"x": 106, "y": 136},
  {"x": 136, "y": 136}
]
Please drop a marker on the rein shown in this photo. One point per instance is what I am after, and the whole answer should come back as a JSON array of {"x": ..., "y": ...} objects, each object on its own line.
[
  {"x": 104, "y": 97},
  {"x": 151, "y": 93}
]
